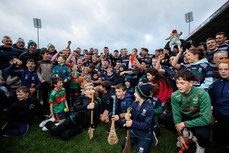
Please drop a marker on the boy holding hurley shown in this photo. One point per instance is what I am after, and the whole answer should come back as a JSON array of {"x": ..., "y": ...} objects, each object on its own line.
[
  {"x": 191, "y": 109},
  {"x": 80, "y": 118}
]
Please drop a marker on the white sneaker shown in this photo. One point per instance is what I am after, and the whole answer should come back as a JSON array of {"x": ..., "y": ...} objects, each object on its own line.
[
  {"x": 42, "y": 124},
  {"x": 44, "y": 129},
  {"x": 199, "y": 149},
  {"x": 57, "y": 124}
]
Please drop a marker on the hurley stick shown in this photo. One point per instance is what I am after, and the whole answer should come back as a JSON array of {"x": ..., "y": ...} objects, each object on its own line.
[
  {"x": 127, "y": 148},
  {"x": 32, "y": 85},
  {"x": 112, "y": 138},
  {"x": 90, "y": 131}
]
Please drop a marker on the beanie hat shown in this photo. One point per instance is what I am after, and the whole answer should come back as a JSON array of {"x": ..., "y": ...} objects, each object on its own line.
[
  {"x": 174, "y": 31},
  {"x": 204, "y": 44},
  {"x": 49, "y": 45},
  {"x": 31, "y": 42},
  {"x": 143, "y": 79},
  {"x": 128, "y": 78},
  {"x": 20, "y": 40},
  {"x": 123, "y": 66},
  {"x": 144, "y": 90}
]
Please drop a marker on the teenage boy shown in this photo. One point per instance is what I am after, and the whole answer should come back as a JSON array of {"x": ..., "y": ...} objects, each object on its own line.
[
  {"x": 44, "y": 72},
  {"x": 16, "y": 121},
  {"x": 29, "y": 77},
  {"x": 191, "y": 109},
  {"x": 123, "y": 102},
  {"x": 81, "y": 117},
  {"x": 106, "y": 101},
  {"x": 141, "y": 120}
]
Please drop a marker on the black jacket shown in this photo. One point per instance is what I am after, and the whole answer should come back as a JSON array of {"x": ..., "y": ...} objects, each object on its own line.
[
  {"x": 82, "y": 115},
  {"x": 22, "y": 111}
]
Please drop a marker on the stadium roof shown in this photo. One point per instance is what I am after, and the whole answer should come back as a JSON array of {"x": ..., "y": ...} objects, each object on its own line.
[{"x": 217, "y": 22}]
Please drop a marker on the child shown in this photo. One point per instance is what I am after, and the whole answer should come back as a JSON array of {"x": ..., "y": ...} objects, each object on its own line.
[
  {"x": 165, "y": 90},
  {"x": 129, "y": 88},
  {"x": 220, "y": 107},
  {"x": 106, "y": 101},
  {"x": 96, "y": 80},
  {"x": 111, "y": 76},
  {"x": 19, "y": 116},
  {"x": 191, "y": 109},
  {"x": 29, "y": 77},
  {"x": 61, "y": 70},
  {"x": 141, "y": 120},
  {"x": 13, "y": 82},
  {"x": 57, "y": 100},
  {"x": 44, "y": 72},
  {"x": 123, "y": 102},
  {"x": 121, "y": 78},
  {"x": 74, "y": 87},
  {"x": 81, "y": 117}
]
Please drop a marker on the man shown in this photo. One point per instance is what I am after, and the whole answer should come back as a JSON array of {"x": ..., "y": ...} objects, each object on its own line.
[
  {"x": 146, "y": 57},
  {"x": 212, "y": 49},
  {"x": 20, "y": 45},
  {"x": 221, "y": 38},
  {"x": 7, "y": 52},
  {"x": 31, "y": 54},
  {"x": 218, "y": 56},
  {"x": 106, "y": 54},
  {"x": 115, "y": 57}
]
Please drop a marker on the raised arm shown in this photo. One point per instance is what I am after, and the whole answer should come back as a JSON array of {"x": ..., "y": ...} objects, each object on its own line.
[{"x": 176, "y": 59}]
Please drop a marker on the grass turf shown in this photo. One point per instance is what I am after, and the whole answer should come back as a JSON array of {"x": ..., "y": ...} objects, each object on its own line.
[{"x": 37, "y": 141}]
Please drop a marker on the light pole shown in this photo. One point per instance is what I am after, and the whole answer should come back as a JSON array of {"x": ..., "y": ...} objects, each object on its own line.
[
  {"x": 37, "y": 24},
  {"x": 188, "y": 19}
]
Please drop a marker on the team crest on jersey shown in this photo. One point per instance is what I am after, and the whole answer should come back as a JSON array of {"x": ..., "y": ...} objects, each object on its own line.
[
  {"x": 200, "y": 69},
  {"x": 33, "y": 78},
  {"x": 144, "y": 112},
  {"x": 195, "y": 100},
  {"x": 31, "y": 106},
  {"x": 141, "y": 150}
]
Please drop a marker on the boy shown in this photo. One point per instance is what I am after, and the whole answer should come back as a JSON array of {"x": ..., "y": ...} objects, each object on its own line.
[
  {"x": 220, "y": 105},
  {"x": 44, "y": 72},
  {"x": 19, "y": 116},
  {"x": 123, "y": 102},
  {"x": 141, "y": 120},
  {"x": 81, "y": 117},
  {"x": 111, "y": 76},
  {"x": 61, "y": 70},
  {"x": 29, "y": 77},
  {"x": 129, "y": 88},
  {"x": 57, "y": 100},
  {"x": 191, "y": 109},
  {"x": 106, "y": 101}
]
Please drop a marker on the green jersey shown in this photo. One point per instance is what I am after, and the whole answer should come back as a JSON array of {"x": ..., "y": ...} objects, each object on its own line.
[
  {"x": 196, "y": 104},
  {"x": 57, "y": 98}
]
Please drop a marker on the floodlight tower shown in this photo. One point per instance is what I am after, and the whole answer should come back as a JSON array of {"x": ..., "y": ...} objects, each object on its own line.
[
  {"x": 188, "y": 19},
  {"x": 37, "y": 24}
]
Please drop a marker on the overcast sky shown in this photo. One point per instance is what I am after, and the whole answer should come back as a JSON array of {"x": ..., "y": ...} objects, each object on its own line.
[{"x": 98, "y": 23}]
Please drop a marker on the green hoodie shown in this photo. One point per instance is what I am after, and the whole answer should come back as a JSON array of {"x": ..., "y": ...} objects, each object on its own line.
[{"x": 195, "y": 104}]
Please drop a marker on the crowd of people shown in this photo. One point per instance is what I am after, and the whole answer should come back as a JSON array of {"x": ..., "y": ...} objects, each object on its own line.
[{"x": 184, "y": 89}]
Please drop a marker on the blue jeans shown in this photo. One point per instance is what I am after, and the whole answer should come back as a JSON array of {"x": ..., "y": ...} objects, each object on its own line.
[{"x": 14, "y": 128}]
